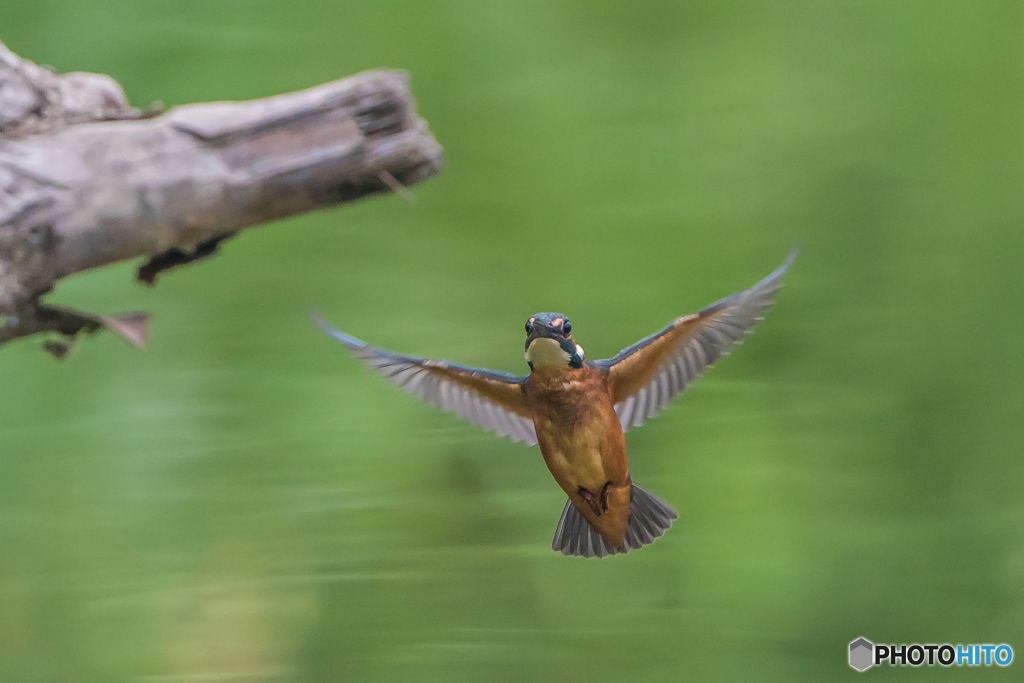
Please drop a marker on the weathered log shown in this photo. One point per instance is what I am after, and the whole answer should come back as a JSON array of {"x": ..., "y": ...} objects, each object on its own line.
[{"x": 86, "y": 180}]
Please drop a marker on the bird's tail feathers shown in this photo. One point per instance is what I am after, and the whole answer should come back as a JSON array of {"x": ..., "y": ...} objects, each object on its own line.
[{"x": 649, "y": 518}]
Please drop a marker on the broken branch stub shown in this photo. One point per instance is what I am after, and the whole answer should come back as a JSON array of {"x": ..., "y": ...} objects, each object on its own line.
[{"x": 91, "y": 184}]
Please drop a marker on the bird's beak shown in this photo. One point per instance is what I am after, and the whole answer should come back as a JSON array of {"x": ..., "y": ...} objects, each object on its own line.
[{"x": 542, "y": 331}]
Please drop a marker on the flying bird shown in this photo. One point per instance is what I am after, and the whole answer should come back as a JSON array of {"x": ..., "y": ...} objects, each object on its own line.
[{"x": 578, "y": 410}]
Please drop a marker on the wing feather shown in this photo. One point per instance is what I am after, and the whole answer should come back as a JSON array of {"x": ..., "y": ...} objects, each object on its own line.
[
  {"x": 493, "y": 400},
  {"x": 646, "y": 376}
]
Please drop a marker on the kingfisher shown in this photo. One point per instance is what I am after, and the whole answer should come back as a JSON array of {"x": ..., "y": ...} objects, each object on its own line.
[{"x": 577, "y": 410}]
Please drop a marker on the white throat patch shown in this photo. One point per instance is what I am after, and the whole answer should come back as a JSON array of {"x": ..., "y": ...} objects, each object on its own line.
[{"x": 544, "y": 352}]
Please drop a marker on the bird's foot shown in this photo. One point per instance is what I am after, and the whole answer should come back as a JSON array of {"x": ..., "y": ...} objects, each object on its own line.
[
  {"x": 591, "y": 499},
  {"x": 604, "y": 496},
  {"x": 597, "y": 503}
]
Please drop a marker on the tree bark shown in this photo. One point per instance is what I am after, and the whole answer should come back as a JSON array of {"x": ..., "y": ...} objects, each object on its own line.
[{"x": 86, "y": 180}]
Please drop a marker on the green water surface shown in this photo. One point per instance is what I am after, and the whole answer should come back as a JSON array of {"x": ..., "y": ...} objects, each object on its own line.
[{"x": 242, "y": 501}]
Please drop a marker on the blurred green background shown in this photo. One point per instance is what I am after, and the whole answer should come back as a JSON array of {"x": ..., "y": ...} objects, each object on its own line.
[{"x": 244, "y": 502}]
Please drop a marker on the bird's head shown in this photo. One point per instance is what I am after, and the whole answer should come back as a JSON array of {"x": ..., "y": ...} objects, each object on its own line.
[{"x": 549, "y": 342}]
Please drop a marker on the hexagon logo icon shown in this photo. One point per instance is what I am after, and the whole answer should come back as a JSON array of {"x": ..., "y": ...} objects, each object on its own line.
[{"x": 862, "y": 654}]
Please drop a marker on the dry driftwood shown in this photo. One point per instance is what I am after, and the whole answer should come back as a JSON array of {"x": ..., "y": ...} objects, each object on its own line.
[{"x": 86, "y": 180}]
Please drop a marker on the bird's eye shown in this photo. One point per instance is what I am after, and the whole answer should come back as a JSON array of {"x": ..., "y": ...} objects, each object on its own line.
[
  {"x": 567, "y": 328},
  {"x": 529, "y": 327}
]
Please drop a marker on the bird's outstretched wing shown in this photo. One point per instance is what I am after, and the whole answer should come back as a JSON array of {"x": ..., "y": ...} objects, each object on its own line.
[
  {"x": 493, "y": 400},
  {"x": 644, "y": 377}
]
